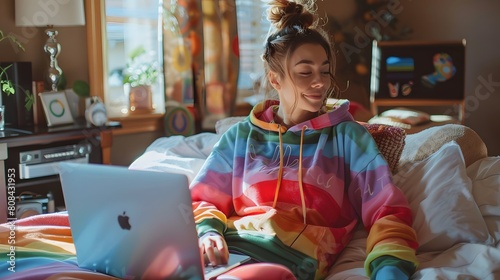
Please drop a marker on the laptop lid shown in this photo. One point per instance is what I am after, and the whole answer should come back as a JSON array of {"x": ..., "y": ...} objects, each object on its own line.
[{"x": 131, "y": 223}]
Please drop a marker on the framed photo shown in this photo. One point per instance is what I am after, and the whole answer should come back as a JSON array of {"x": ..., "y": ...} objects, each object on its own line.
[{"x": 56, "y": 108}]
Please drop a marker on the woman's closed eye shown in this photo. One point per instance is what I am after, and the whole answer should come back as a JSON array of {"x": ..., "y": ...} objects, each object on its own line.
[{"x": 308, "y": 73}]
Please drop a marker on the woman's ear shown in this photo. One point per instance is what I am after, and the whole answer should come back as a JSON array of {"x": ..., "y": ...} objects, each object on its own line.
[{"x": 273, "y": 80}]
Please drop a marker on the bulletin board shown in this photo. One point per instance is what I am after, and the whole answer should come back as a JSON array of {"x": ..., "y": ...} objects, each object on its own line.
[{"x": 411, "y": 70}]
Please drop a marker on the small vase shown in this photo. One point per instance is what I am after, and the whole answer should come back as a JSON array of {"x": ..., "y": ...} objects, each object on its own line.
[{"x": 141, "y": 99}]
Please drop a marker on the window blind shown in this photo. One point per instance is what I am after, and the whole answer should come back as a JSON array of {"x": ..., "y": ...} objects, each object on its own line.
[{"x": 252, "y": 30}]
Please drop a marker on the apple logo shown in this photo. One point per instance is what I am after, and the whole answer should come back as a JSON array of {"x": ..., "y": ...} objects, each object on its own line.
[{"x": 123, "y": 221}]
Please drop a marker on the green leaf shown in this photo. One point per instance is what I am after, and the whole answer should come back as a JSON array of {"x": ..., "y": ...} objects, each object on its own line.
[
  {"x": 7, "y": 87},
  {"x": 126, "y": 78},
  {"x": 3, "y": 70},
  {"x": 13, "y": 39},
  {"x": 137, "y": 52},
  {"x": 29, "y": 100},
  {"x": 81, "y": 88}
]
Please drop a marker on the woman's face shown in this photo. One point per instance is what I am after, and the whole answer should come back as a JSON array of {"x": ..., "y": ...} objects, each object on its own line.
[{"x": 304, "y": 90}]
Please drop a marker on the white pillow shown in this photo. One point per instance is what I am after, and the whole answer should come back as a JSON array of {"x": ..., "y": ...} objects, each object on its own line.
[
  {"x": 178, "y": 154},
  {"x": 485, "y": 176},
  {"x": 439, "y": 192}
]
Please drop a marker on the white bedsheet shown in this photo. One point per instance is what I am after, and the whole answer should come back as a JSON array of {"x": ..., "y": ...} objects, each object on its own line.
[
  {"x": 472, "y": 253},
  {"x": 177, "y": 154}
]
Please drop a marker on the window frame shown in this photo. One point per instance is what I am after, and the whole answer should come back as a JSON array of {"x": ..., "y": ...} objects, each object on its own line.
[
  {"x": 96, "y": 46},
  {"x": 254, "y": 43}
]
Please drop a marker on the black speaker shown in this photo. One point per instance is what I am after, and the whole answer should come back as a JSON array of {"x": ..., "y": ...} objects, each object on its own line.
[{"x": 16, "y": 114}]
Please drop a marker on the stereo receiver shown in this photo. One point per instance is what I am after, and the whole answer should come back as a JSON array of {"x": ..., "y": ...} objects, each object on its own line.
[{"x": 43, "y": 162}]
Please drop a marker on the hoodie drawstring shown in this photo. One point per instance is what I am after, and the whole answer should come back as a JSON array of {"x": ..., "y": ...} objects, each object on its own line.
[
  {"x": 302, "y": 197},
  {"x": 280, "y": 172}
]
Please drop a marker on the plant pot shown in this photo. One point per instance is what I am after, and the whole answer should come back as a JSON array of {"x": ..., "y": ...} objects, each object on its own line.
[{"x": 141, "y": 99}]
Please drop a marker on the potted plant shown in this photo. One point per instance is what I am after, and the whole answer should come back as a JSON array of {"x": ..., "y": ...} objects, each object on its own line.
[
  {"x": 6, "y": 84},
  {"x": 141, "y": 72}
]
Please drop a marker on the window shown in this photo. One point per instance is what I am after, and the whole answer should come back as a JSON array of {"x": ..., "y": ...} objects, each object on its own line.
[
  {"x": 120, "y": 40},
  {"x": 133, "y": 46},
  {"x": 253, "y": 27}
]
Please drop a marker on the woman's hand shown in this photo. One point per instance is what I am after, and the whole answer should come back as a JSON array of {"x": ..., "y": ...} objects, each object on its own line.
[{"x": 214, "y": 249}]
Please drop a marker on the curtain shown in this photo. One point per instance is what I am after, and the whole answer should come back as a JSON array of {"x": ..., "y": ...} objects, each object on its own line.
[{"x": 201, "y": 61}]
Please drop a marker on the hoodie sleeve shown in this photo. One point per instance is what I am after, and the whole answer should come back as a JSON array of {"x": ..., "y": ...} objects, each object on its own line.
[
  {"x": 382, "y": 206},
  {"x": 211, "y": 189}
]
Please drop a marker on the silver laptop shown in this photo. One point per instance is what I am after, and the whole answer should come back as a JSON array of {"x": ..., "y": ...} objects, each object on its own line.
[{"x": 134, "y": 224}]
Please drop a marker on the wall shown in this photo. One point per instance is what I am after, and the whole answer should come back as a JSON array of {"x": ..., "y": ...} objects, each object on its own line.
[
  {"x": 73, "y": 55},
  {"x": 454, "y": 20},
  {"x": 73, "y": 60}
]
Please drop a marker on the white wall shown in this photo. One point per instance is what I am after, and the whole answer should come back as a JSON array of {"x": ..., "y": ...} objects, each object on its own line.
[{"x": 479, "y": 23}]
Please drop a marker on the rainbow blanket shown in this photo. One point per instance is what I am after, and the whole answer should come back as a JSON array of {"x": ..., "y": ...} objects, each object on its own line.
[{"x": 41, "y": 247}]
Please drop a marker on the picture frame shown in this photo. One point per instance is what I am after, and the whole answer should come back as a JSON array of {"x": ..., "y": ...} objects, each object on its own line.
[{"x": 56, "y": 108}]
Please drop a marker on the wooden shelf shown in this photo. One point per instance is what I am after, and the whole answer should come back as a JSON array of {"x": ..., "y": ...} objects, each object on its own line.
[
  {"x": 419, "y": 103},
  {"x": 132, "y": 124}
]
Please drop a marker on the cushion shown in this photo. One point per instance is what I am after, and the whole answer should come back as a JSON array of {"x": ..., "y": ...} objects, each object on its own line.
[
  {"x": 440, "y": 196},
  {"x": 407, "y": 116},
  {"x": 422, "y": 144},
  {"x": 390, "y": 139},
  {"x": 390, "y": 142}
]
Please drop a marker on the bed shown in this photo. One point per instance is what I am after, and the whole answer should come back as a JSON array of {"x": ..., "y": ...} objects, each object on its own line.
[{"x": 452, "y": 185}]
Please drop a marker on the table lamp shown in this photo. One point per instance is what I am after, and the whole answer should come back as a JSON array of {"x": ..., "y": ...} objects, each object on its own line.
[{"x": 49, "y": 13}]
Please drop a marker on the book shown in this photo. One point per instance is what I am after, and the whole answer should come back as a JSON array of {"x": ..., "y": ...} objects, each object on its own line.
[{"x": 38, "y": 113}]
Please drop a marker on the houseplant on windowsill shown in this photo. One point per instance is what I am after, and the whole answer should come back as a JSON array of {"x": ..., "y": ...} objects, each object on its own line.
[
  {"x": 141, "y": 73},
  {"x": 6, "y": 84}
]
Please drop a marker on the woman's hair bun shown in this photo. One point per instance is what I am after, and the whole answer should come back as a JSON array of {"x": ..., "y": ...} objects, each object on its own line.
[{"x": 287, "y": 13}]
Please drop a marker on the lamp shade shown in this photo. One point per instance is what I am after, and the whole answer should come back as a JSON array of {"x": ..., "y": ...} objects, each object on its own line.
[{"x": 49, "y": 13}]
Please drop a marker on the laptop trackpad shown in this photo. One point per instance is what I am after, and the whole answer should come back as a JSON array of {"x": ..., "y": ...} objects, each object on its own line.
[{"x": 211, "y": 272}]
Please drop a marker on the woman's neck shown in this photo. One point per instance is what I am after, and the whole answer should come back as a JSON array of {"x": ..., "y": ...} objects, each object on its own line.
[{"x": 280, "y": 117}]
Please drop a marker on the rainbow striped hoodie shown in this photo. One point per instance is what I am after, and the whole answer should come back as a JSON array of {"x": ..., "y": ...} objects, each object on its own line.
[{"x": 295, "y": 195}]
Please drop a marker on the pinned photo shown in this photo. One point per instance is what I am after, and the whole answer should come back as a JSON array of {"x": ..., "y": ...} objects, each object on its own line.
[{"x": 444, "y": 70}]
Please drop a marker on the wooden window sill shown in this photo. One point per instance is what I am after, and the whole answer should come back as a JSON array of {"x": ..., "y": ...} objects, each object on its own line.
[{"x": 139, "y": 123}]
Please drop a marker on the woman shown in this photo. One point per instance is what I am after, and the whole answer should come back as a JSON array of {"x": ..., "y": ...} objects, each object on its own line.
[{"x": 289, "y": 184}]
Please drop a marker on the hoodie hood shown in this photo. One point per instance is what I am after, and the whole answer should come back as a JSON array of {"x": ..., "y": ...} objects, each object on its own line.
[{"x": 337, "y": 111}]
